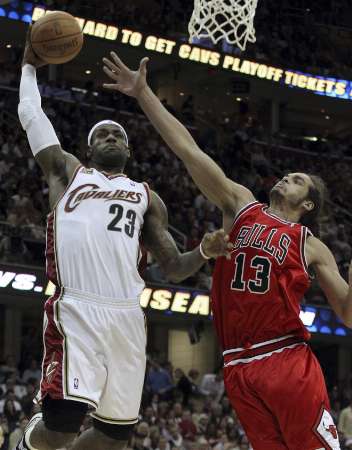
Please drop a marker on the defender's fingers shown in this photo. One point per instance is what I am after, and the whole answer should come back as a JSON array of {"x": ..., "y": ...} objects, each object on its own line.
[
  {"x": 118, "y": 61},
  {"x": 110, "y": 73},
  {"x": 111, "y": 65},
  {"x": 143, "y": 64},
  {"x": 112, "y": 87}
]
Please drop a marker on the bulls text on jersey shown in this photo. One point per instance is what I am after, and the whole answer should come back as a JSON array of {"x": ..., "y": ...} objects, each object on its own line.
[{"x": 252, "y": 237}]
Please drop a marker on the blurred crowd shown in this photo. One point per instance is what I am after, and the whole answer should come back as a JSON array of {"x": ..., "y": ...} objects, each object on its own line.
[
  {"x": 180, "y": 410},
  {"x": 299, "y": 34}
]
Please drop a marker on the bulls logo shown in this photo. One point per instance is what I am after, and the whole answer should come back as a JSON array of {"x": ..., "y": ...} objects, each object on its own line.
[
  {"x": 332, "y": 429},
  {"x": 326, "y": 430}
]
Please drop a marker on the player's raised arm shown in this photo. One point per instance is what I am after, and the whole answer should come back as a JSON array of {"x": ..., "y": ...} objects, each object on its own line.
[
  {"x": 337, "y": 291},
  {"x": 57, "y": 165},
  {"x": 207, "y": 175},
  {"x": 175, "y": 265}
]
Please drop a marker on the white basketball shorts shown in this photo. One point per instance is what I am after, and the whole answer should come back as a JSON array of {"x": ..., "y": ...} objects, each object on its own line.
[{"x": 94, "y": 352}]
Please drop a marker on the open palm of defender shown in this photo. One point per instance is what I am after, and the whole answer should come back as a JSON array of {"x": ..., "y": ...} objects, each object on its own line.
[{"x": 127, "y": 81}]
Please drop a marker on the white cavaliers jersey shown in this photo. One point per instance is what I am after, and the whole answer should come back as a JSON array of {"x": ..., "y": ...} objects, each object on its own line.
[{"x": 93, "y": 235}]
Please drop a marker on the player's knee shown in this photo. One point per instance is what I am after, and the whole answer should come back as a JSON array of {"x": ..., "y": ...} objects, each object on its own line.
[
  {"x": 58, "y": 439},
  {"x": 63, "y": 418},
  {"x": 115, "y": 436}
]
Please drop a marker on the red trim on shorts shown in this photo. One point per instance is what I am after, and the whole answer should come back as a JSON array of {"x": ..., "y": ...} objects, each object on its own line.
[
  {"x": 268, "y": 348},
  {"x": 52, "y": 367},
  {"x": 52, "y": 271}
]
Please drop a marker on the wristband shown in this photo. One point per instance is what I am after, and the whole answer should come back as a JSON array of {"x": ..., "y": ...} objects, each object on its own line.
[{"x": 202, "y": 252}]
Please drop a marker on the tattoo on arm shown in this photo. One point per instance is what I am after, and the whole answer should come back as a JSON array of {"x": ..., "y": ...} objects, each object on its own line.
[{"x": 157, "y": 239}]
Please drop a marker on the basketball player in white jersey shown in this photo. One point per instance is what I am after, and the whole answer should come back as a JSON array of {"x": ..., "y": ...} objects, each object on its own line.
[{"x": 94, "y": 328}]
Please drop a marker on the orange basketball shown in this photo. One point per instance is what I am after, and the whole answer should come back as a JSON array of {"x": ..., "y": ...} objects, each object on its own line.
[{"x": 57, "y": 37}]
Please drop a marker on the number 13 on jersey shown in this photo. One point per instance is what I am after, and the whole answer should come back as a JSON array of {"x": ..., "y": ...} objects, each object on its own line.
[{"x": 260, "y": 284}]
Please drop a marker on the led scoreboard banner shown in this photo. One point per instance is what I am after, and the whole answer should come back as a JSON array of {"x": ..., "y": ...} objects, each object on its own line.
[
  {"x": 320, "y": 85},
  {"x": 32, "y": 282}
]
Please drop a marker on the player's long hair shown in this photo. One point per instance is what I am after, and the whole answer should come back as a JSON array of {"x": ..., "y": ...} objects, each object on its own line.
[{"x": 317, "y": 194}]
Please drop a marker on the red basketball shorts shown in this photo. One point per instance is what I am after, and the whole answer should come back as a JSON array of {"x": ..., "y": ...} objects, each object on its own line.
[{"x": 282, "y": 402}]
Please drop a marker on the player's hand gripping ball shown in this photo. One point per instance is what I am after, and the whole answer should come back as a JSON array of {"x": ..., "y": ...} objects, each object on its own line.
[{"x": 56, "y": 38}]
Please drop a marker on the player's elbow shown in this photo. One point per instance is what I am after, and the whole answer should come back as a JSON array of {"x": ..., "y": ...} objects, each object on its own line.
[
  {"x": 172, "y": 276},
  {"x": 347, "y": 321},
  {"x": 172, "y": 272},
  {"x": 346, "y": 317}
]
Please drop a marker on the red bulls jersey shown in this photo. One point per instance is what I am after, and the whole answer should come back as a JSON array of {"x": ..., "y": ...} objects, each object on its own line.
[{"x": 256, "y": 295}]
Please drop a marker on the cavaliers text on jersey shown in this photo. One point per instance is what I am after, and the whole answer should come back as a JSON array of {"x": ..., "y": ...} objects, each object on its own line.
[{"x": 93, "y": 235}]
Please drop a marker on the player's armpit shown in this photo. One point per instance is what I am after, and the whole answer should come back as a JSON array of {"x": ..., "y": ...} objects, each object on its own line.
[
  {"x": 159, "y": 242},
  {"x": 56, "y": 162},
  {"x": 337, "y": 291},
  {"x": 58, "y": 167}
]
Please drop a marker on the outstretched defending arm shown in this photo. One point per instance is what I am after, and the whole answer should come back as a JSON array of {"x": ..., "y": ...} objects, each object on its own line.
[
  {"x": 337, "y": 291},
  {"x": 57, "y": 165},
  {"x": 208, "y": 176},
  {"x": 178, "y": 266}
]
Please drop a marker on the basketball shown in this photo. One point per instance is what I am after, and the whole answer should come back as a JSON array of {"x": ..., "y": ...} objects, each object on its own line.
[{"x": 57, "y": 37}]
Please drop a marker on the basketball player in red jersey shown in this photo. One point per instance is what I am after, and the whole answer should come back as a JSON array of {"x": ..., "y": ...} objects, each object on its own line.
[
  {"x": 272, "y": 378},
  {"x": 94, "y": 328}
]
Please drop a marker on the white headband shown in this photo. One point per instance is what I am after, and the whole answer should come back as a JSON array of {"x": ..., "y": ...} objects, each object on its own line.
[{"x": 107, "y": 122}]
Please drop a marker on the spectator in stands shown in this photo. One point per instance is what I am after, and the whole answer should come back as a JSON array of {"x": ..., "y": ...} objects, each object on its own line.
[
  {"x": 159, "y": 381},
  {"x": 212, "y": 384},
  {"x": 345, "y": 423},
  {"x": 4, "y": 433},
  {"x": 8, "y": 367},
  {"x": 13, "y": 385},
  {"x": 17, "y": 433},
  {"x": 2, "y": 439},
  {"x": 163, "y": 444},
  {"x": 173, "y": 435},
  {"x": 141, "y": 439},
  {"x": 186, "y": 385},
  {"x": 11, "y": 413},
  {"x": 27, "y": 399},
  {"x": 187, "y": 427},
  {"x": 32, "y": 372},
  {"x": 149, "y": 415},
  {"x": 10, "y": 396}
]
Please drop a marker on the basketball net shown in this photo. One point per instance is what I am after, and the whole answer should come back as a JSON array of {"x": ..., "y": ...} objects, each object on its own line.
[{"x": 224, "y": 19}]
